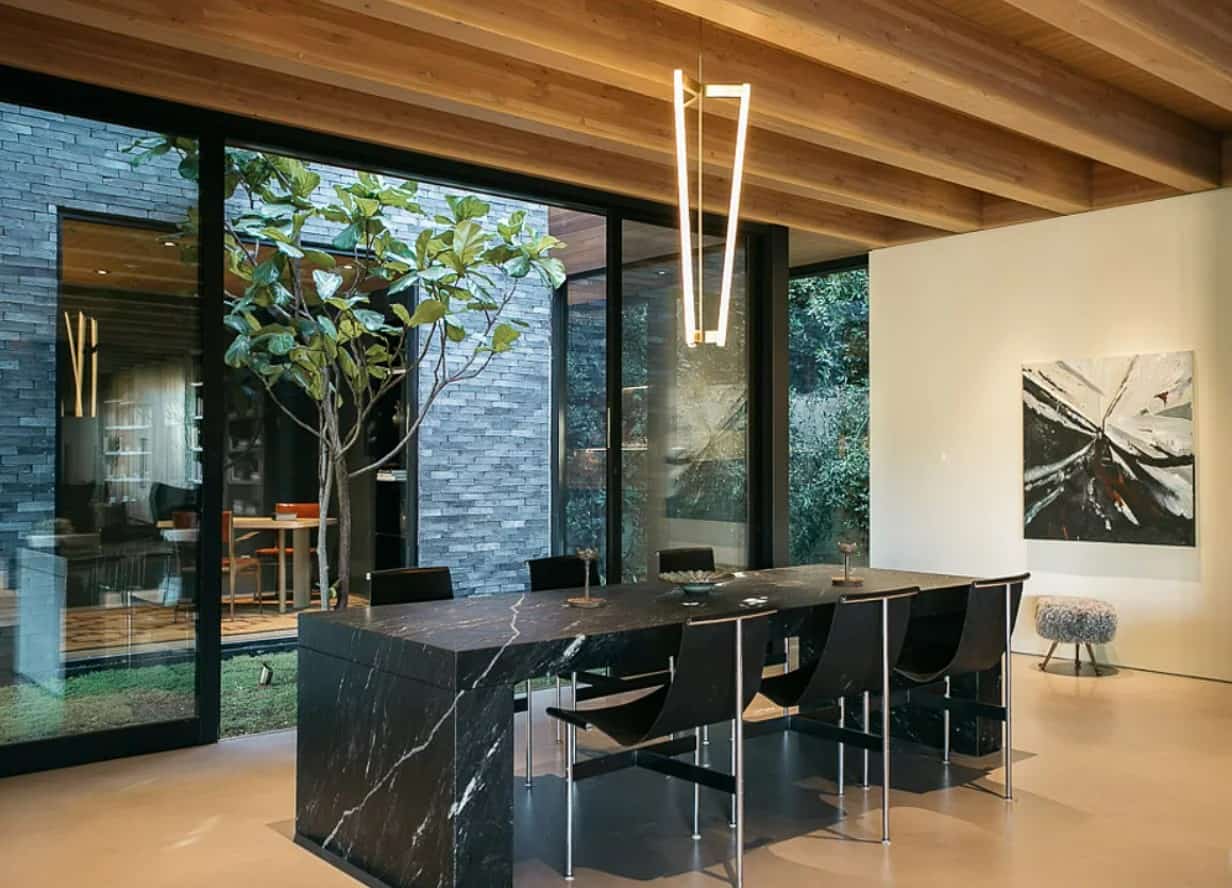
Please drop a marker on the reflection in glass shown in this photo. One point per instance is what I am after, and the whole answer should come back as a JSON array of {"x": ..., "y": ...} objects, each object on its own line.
[
  {"x": 828, "y": 415},
  {"x": 685, "y": 411},
  {"x": 100, "y": 431}
]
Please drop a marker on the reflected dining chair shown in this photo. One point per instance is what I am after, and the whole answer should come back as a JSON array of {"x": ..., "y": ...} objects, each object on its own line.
[
  {"x": 234, "y": 564},
  {"x": 975, "y": 638},
  {"x": 718, "y": 673},
  {"x": 852, "y": 648},
  {"x": 299, "y": 510},
  {"x": 408, "y": 585}
]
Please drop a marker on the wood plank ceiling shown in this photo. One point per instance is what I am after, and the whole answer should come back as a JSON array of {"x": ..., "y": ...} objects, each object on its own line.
[{"x": 875, "y": 122}]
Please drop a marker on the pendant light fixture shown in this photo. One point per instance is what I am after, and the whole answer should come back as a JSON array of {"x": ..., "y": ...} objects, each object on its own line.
[{"x": 688, "y": 92}]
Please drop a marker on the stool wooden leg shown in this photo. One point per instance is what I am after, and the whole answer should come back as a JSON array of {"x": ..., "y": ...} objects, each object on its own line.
[
  {"x": 1091, "y": 654},
  {"x": 1048, "y": 656},
  {"x": 1077, "y": 662}
]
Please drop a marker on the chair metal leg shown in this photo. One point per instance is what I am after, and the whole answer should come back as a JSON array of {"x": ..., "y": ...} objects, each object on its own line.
[
  {"x": 731, "y": 742},
  {"x": 1007, "y": 691},
  {"x": 697, "y": 787},
  {"x": 864, "y": 782},
  {"x": 842, "y": 748},
  {"x": 738, "y": 754},
  {"x": 1048, "y": 656},
  {"x": 885, "y": 721},
  {"x": 530, "y": 734},
  {"x": 570, "y": 757},
  {"x": 786, "y": 666},
  {"x": 559, "y": 705},
  {"x": 1094, "y": 665},
  {"x": 705, "y": 735},
  {"x": 945, "y": 727}
]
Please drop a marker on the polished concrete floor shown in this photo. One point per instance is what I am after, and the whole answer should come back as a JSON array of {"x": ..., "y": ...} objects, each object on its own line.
[{"x": 1124, "y": 780}]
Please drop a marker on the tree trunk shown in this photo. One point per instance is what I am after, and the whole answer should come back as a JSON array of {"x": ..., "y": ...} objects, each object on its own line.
[
  {"x": 325, "y": 491},
  {"x": 344, "y": 532}
]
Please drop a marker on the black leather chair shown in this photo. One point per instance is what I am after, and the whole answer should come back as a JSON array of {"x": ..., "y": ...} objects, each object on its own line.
[
  {"x": 718, "y": 673},
  {"x": 691, "y": 558},
  {"x": 560, "y": 572},
  {"x": 409, "y": 585},
  {"x": 569, "y": 572},
  {"x": 974, "y": 638},
  {"x": 852, "y": 650},
  {"x": 702, "y": 558}
]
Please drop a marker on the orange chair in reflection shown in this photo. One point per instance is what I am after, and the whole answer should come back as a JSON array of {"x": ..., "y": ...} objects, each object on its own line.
[
  {"x": 234, "y": 564},
  {"x": 299, "y": 510}
]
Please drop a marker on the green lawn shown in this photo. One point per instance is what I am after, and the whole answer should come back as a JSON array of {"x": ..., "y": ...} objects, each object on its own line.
[{"x": 112, "y": 698}]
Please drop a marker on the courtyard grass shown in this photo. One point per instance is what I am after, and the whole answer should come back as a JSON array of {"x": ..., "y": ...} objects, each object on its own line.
[{"x": 114, "y": 698}]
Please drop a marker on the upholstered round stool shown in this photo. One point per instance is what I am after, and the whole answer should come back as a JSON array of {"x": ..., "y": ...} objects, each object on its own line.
[{"x": 1076, "y": 621}]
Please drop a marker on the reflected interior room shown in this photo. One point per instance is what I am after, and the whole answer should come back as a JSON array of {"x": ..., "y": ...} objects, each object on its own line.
[{"x": 510, "y": 444}]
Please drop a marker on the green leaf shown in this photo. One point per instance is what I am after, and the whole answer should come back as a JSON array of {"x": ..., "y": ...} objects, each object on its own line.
[
  {"x": 238, "y": 352},
  {"x": 554, "y": 270},
  {"x": 518, "y": 266},
  {"x": 468, "y": 241},
  {"x": 289, "y": 249},
  {"x": 236, "y": 323},
  {"x": 454, "y": 332},
  {"x": 468, "y": 207},
  {"x": 189, "y": 167},
  {"x": 348, "y": 237},
  {"x": 267, "y": 272},
  {"x": 372, "y": 320},
  {"x": 327, "y": 326},
  {"x": 402, "y": 283},
  {"x": 280, "y": 344},
  {"x": 503, "y": 337},
  {"x": 427, "y": 312},
  {"x": 403, "y": 315},
  {"x": 317, "y": 257},
  {"x": 327, "y": 283}
]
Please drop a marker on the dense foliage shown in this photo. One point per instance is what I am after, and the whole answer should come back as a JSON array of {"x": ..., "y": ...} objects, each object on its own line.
[{"x": 828, "y": 412}]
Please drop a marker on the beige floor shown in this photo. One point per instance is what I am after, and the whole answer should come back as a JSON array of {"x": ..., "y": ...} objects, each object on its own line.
[{"x": 1122, "y": 781}]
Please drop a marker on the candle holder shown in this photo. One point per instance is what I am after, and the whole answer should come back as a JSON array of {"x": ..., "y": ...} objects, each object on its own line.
[
  {"x": 848, "y": 578},
  {"x": 586, "y": 600}
]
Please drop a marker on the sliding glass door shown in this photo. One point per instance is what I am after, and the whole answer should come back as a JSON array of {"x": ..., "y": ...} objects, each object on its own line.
[
  {"x": 684, "y": 409},
  {"x": 101, "y": 447}
]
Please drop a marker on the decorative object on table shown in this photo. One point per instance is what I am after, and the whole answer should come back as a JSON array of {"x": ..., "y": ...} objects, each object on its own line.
[
  {"x": 586, "y": 599},
  {"x": 1077, "y": 621},
  {"x": 446, "y": 297},
  {"x": 1108, "y": 450},
  {"x": 848, "y": 579},
  {"x": 265, "y": 677},
  {"x": 694, "y": 582}
]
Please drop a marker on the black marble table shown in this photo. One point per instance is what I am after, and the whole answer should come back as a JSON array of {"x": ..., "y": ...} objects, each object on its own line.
[{"x": 405, "y": 745}]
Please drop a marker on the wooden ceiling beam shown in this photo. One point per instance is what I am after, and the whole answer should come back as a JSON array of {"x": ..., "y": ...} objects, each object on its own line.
[
  {"x": 914, "y": 147},
  {"x": 1188, "y": 43},
  {"x": 83, "y": 53},
  {"x": 918, "y": 48},
  {"x": 346, "y": 49}
]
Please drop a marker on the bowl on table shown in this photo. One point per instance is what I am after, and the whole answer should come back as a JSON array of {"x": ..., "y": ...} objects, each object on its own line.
[{"x": 695, "y": 582}]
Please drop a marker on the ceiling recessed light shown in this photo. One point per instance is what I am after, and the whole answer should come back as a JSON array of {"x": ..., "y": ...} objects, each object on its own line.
[
  {"x": 346, "y": 267},
  {"x": 101, "y": 271},
  {"x": 168, "y": 243},
  {"x": 662, "y": 272}
]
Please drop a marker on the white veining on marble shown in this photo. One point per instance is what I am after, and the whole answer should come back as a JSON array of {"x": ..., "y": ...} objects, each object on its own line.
[{"x": 411, "y": 753}]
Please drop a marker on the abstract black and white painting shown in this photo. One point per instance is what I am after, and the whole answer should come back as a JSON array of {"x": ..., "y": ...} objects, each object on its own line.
[{"x": 1108, "y": 449}]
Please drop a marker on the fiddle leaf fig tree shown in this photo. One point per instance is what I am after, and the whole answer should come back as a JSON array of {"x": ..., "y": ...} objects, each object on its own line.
[{"x": 338, "y": 323}]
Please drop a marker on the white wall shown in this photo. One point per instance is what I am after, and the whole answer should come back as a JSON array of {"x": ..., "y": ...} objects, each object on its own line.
[{"x": 953, "y": 320}]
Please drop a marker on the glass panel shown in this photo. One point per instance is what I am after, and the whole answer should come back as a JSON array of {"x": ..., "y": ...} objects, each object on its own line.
[
  {"x": 584, "y": 481},
  {"x": 100, "y": 467},
  {"x": 828, "y": 415},
  {"x": 685, "y": 410}
]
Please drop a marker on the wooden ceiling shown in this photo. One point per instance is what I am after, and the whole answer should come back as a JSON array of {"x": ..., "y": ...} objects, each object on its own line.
[{"x": 875, "y": 122}]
